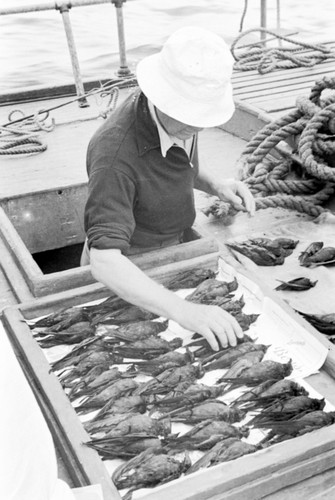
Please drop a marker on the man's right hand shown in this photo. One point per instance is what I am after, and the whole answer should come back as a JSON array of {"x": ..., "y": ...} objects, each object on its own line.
[{"x": 215, "y": 324}]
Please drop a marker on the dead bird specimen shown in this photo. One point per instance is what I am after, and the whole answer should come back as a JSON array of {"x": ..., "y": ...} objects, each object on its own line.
[
  {"x": 164, "y": 361},
  {"x": 278, "y": 246},
  {"x": 181, "y": 395},
  {"x": 325, "y": 323},
  {"x": 258, "y": 373},
  {"x": 149, "y": 469},
  {"x": 224, "y": 359},
  {"x": 127, "y": 314},
  {"x": 224, "y": 451},
  {"x": 205, "y": 434},
  {"x": 170, "y": 378},
  {"x": 269, "y": 392},
  {"x": 296, "y": 284},
  {"x": 258, "y": 254},
  {"x": 286, "y": 409},
  {"x": 298, "y": 425},
  {"x": 323, "y": 257},
  {"x": 126, "y": 446},
  {"x": 90, "y": 383},
  {"x": 148, "y": 348},
  {"x": 125, "y": 404},
  {"x": 62, "y": 319},
  {"x": 121, "y": 424},
  {"x": 109, "y": 394},
  {"x": 138, "y": 330},
  {"x": 212, "y": 289},
  {"x": 245, "y": 320},
  {"x": 231, "y": 306},
  {"x": 264, "y": 251},
  {"x": 244, "y": 362},
  {"x": 205, "y": 351},
  {"x": 82, "y": 350},
  {"x": 72, "y": 335},
  {"x": 211, "y": 409},
  {"x": 190, "y": 278},
  {"x": 226, "y": 303},
  {"x": 141, "y": 424},
  {"x": 83, "y": 367},
  {"x": 311, "y": 249}
]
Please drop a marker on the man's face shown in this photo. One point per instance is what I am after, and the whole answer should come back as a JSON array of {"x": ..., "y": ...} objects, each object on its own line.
[{"x": 175, "y": 128}]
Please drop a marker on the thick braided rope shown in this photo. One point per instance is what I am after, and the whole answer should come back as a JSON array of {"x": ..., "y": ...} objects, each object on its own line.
[
  {"x": 272, "y": 140},
  {"x": 267, "y": 59},
  {"x": 305, "y": 147},
  {"x": 323, "y": 145},
  {"x": 290, "y": 202},
  {"x": 258, "y": 168},
  {"x": 23, "y": 143},
  {"x": 246, "y": 163},
  {"x": 259, "y": 137},
  {"x": 287, "y": 186}
]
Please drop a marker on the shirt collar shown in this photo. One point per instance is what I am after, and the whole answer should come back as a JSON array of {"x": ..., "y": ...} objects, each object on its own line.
[{"x": 166, "y": 140}]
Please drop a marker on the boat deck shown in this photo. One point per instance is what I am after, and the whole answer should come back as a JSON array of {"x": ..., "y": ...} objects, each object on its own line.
[{"x": 276, "y": 92}]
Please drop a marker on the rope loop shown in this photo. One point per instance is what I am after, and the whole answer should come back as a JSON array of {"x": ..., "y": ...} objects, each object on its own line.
[
  {"x": 264, "y": 60},
  {"x": 302, "y": 180},
  {"x": 307, "y": 140}
]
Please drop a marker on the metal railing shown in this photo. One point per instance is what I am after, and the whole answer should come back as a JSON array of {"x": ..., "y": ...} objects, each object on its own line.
[
  {"x": 64, "y": 9},
  {"x": 263, "y": 17}
]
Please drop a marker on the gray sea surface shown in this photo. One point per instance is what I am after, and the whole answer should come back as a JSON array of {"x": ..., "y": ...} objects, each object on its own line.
[{"x": 33, "y": 47}]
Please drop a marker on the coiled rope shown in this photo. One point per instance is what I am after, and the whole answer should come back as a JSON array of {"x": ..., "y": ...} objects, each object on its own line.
[
  {"x": 22, "y": 139},
  {"x": 276, "y": 181},
  {"x": 265, "y": 174},
  {"x": 18, "y": 135},
  {"x": 266, "y": 59}
]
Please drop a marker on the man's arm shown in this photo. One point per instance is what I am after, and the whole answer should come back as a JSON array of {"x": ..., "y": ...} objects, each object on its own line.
[{"x": 125, "y": 279}]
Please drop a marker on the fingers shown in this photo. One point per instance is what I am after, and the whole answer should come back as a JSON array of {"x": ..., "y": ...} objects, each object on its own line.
[
  {"x": 220, "y": 328},
  {"x": 247, "y": 197},
  {"x": 211, "y": 338},
  {"x": 239, "y": 195}
]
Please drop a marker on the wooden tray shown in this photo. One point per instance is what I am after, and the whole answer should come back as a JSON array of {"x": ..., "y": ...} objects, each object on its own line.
[{"x": 256, "y": 476}]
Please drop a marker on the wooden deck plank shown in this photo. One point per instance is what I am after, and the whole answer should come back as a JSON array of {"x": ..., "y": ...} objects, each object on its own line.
[
  {"x": 276, "y": 92},
  {"x": 280, "y": 106},
  {"x": 261, "y": 84},
  {"x": 295, "y": 89},
  {"x": 255, "y": 78}
]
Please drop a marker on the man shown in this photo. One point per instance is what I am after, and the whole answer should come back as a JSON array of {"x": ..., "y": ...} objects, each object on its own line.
[{"x": 143, "y": 165}]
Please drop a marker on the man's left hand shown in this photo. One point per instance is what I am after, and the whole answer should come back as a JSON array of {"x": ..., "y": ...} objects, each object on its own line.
[{"x": 237, "y": 194}]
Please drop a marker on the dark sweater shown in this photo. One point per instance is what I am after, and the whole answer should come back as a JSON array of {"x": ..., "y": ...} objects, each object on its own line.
[{"x": 136, "y": 197}]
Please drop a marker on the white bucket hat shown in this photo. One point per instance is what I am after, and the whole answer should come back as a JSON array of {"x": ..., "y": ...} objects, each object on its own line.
[{"x": 189, "y": 79}]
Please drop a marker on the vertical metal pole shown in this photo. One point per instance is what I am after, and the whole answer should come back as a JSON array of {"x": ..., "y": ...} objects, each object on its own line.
[
  {"x": 64, "y": 10},
  {"x": 263, "y": 19},
  {"x": 123, "y": 69},
  {"x": 278, "y": 23}
]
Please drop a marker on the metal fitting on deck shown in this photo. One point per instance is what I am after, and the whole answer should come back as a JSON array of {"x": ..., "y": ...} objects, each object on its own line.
[
  {"x": 63, "y": 7},
  {"x": 118, "y": 3}
]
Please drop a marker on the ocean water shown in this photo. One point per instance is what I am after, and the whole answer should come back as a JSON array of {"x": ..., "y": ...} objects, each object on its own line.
[{"x": 34, "y": 48}]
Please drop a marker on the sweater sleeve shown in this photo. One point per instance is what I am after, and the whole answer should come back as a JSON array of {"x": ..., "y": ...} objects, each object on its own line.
[{"x": 109, "y": 219}]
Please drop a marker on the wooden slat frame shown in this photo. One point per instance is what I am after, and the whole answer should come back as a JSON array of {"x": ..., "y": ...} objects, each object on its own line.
[
  {"x": 254, "y": 476},
  {"x": 83, "y": 467},
  {"x": 84, "y": 464}
]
